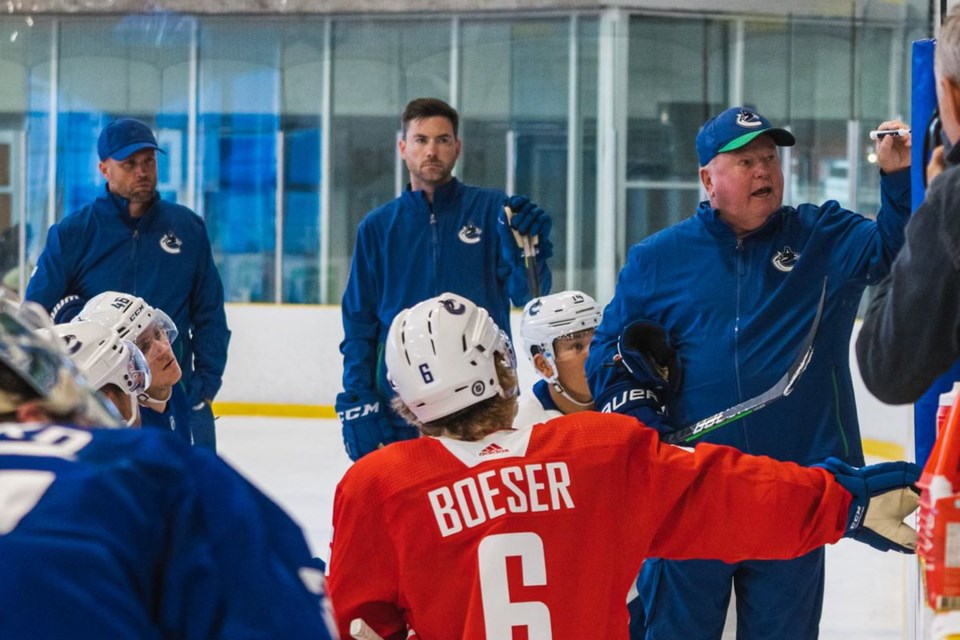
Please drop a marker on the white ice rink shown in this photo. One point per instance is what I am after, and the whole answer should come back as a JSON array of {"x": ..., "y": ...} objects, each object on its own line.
[{"x": 298, "y": 462}]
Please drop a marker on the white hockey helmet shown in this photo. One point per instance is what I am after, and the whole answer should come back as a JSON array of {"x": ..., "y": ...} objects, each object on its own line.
[
  {"x": 558, "y": 315},
  {"x": 127, "y": 314},
  {"x": 441, "y": 356},
  {"x": 103, "y": 358},
  {"x": 30, "y": 354}
]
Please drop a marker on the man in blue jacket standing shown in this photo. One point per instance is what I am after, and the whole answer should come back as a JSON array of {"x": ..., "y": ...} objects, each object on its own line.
[
  {"x": 439, "y": 235},
  {"x": 130, "y": 240},
  {"x": 730, "y": 292}
]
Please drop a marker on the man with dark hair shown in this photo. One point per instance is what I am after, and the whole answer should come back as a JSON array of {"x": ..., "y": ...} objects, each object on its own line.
[
  {"x": 440, "y": 234},
  {"x": 129, "y": 533},
  {"x": 480, "y": 530},
  {"x": 131, "y": 240}
]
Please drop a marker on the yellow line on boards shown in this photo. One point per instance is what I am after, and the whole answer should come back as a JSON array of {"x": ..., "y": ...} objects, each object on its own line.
[
  {"x": 871, "y": 447},
  {"x": 883, "y": 449},
  {"x": 273, "y": 410}
]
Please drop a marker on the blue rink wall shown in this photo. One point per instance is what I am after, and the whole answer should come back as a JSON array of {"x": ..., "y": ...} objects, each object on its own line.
[{"x": 285, "y": 361}]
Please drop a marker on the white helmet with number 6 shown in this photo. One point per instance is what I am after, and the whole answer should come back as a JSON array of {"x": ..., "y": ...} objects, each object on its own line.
[{"x": 441, "y": 356}]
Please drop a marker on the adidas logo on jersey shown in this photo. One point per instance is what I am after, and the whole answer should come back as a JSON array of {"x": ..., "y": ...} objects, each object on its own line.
[{"x": 493, "y": 449}]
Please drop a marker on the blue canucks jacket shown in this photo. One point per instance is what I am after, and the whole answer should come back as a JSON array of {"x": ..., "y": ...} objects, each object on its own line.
[
  {"x": 164, "y": 257},
  {"x": 130, "y": 533},
  {"x": 408, "y": 251},
  {"x": 738, "y": 310}
]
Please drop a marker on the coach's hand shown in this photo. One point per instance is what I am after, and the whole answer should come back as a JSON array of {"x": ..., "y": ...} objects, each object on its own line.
[{"x": 528, "y": 219}]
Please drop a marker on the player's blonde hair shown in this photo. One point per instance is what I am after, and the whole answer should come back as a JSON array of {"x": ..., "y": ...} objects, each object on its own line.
[{"x": 476, "y": 421}]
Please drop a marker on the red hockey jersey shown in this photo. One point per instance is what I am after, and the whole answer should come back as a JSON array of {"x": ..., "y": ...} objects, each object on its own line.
[{"x": 541, "y": 531}]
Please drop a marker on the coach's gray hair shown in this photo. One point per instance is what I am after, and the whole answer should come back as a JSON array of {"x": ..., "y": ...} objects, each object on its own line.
[{"x": 947, "y": 52}]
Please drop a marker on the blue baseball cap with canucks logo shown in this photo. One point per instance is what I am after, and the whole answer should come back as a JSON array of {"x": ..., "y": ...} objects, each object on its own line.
[
  {"x": 735, "y": 128},
  {"x": 122, "y": 138}
]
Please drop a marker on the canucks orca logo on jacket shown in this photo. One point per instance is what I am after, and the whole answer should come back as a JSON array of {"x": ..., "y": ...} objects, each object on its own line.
[
  {"x": 470, "y": 233},
  {"x": 785, "y": 259},
  {"x": 171, "y": 243}
]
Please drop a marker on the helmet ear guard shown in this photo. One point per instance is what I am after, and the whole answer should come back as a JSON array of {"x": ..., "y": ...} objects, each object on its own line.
[{"x": 441, "y": 357}]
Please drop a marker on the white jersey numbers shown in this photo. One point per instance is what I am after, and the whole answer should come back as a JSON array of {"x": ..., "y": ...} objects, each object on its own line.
[
  {"x": 51, "y": 441},
  {"x": 20, "y": 491},
  {"x": 501, "y": 615}
]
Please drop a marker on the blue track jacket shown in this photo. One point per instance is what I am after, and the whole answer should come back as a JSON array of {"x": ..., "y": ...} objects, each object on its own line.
[
  {"x": 737, "y": 312},
  {"x": 164, "y": 257},
  {"x": 408, "y": 251}
]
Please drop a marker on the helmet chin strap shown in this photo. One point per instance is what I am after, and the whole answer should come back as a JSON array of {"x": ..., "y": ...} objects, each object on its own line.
[
  {"x": 134, "y": 411},
  {"x": 563, "y": 392}
]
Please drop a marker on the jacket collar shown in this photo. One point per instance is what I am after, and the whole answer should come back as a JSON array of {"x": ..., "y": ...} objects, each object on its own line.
[
  {"x": 443, "y": 198},
  {"x": 711, "y": 219},
  {"x": 121, "y": 206}
]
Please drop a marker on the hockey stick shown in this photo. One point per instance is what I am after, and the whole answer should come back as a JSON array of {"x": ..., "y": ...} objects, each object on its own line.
[
  {"x": 784, "y": 387},
  {"x": 528, "y": 245},
  {"x": 360, "y": 630}
]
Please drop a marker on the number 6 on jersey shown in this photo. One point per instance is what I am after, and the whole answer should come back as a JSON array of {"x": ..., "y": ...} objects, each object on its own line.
[{"x": 499, "y": 613}]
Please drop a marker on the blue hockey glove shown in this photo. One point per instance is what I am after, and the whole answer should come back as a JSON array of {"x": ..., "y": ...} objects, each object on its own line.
[
  {"x": 202, "y": 426},
  {"x": 67, "y": 309},
  {"x": 646, "y": 352},
  {"x": 367, "y": 423},
  {"x": 883, "y": 495},
  {"x": 528, "y": 219}
]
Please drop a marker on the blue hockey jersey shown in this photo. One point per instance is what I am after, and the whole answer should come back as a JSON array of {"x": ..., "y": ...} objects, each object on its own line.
[{"x": 133, "y": 534}]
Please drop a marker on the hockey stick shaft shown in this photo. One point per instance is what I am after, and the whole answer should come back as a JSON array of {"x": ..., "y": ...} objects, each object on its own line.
[
  {"x": 528, "y": 245},
  {"x": 360, "y": 630},
  {"x": 783, "y": 387}
]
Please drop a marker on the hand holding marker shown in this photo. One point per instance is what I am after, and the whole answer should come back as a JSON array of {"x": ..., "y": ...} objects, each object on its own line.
[{"x": 877, "y": 134}]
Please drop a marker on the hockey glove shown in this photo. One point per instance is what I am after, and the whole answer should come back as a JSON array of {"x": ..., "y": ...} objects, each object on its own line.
[
  {"x": 645, "y": 351},
  {"x": 528, "y": 220},
  {"x": 367, "y": 423},
  {"x": 883, "y": 495},
  {"x": 67, "y": 309},
  {"x": 202, "y": 426}
]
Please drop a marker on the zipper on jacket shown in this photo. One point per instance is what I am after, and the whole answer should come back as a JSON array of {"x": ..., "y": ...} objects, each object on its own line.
[
  {"x": 435, "y": 234},
  {"x": 133, "y": 258},
  {"x": 736, "y": 334}
]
